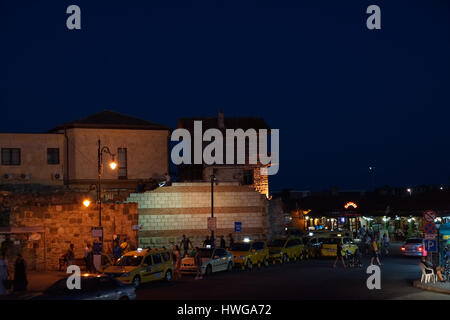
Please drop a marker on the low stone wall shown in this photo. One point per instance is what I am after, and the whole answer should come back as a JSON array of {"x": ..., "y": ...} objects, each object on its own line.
[
  {"x": 65, "y": 221},
  {"x": 183, "y": 208}
]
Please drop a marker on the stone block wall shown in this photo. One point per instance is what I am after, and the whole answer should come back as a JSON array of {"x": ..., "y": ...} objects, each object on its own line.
[
  {"x": 65, "y": 221},
  {"x": 183, "y": 208}
]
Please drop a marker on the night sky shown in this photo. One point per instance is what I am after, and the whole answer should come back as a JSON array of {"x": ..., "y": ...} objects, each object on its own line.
[{"x": 344, "y": 97}]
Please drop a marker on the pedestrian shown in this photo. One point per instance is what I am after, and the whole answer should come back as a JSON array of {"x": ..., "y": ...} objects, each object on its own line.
[
  {"x": 198, "y": 264},
  {"x": 207, "y": 242},
  {"x": 20, "y": 281},
  {"x": 367, "y": 244},
  {"x": 3, "y": 274},
  {"x": 117, "y": 251},
  {"x": 231, "y": 240},
  {"x": 87, "y": 257},
  {"x": 386, "y": 243},
  {"x": 125, "y": 246},
  {"x": 176, "y": 262},
  {"x": 185, "y": 244},
  {"x": 70, "y": 255},
  {"x": 339, "y": 254},
  {"x": 222, "y": 242},
  {"x": 375, "y": 253}
]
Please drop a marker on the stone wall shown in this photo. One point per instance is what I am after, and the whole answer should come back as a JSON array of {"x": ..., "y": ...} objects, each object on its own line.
[
  {"x": 65, "y": 221},
  {"x": 183, "y": 208}
]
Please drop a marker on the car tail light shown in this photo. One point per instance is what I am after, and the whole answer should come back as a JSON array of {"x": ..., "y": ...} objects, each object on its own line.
[
  {"x": 420, "y": 248},
  {"x": 403, "y": 248}
]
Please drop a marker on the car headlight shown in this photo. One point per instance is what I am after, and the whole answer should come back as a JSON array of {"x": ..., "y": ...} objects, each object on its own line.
[{"x": 124, "y": 275}]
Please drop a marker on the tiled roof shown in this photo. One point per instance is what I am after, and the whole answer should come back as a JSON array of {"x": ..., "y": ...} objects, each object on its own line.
[{"x": 107, "y": 119}]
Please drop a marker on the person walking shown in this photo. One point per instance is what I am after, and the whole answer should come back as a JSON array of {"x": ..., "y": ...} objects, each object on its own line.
[
  {"x": 386, "y": 243},
  {"x": 70, "y": 255},
  {"x": 198, "y": 264},
  {"x": 375, "y": 254},
  {"x": 117, "y": 251},
  {"x": 367, "y": 245},
  {"x": 206, "y": 242},
  {"x": 176, "y": 262},
  {"x": 88, "y": 257},
  {"x": 185, "y": 244},
  {"x": 20, "y": 281},
  {"x": 339, "y": 254},
  {"x": 3, "y": 274}
]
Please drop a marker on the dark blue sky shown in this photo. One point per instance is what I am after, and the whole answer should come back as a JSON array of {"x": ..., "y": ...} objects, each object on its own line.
[{"x": 343, "y": 97}]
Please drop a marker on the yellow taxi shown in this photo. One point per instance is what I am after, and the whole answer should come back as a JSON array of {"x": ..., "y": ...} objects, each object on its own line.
[
  {"x": 329, "y": 245},
  {"x": 249, "y": 253},
  {"x": 142, "y": 265},
  {"x": 285, "y": 249}
]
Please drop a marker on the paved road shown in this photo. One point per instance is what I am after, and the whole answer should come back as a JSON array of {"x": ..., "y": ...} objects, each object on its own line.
[{"x": 312, "y": 279}]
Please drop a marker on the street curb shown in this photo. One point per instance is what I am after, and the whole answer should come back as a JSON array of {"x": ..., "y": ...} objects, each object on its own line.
[{"x": 417, "y": 284}]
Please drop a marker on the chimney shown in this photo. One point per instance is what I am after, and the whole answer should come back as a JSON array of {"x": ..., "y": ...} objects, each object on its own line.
[{"x": 220, "y": 120}]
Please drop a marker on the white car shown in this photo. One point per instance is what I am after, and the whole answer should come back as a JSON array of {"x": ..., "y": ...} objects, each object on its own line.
[{"x": 213, "y": 260}]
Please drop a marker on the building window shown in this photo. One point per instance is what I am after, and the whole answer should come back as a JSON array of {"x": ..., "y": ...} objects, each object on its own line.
[
  {"x": 10, "y": 156},
  {"x": 122, "y": 159},
  {"x": 52, "y": 155},
  {"x": 248, "y": 177}
]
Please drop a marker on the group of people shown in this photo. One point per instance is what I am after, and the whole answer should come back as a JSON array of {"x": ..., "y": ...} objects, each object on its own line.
[
  {"x": 373, "y": 243},
  {"x": 19, "y": 282},
  {"x": 186, "y": 245}
]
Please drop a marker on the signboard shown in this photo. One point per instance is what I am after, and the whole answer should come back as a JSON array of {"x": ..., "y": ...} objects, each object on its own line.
[
  {"x": 429, "y": 216},
  {"x": 430, "y": 227},
  {"x": 97, "y": 232},
  {"x": 431, "y": 245},
  {"x": 137, "y": 227},
  {"x": 212, "y": 224},
  {"x": 430, "y": 236},
  {"x": 237, "y": 226}
]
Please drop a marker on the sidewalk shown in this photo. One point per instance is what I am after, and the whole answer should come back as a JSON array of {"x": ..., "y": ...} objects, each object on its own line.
[
  {"x": 439, "y": 287},
  {"x": 37, "y": 283}
]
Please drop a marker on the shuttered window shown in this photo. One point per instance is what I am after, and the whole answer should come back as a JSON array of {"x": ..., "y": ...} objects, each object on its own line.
[
  {"x": 122, "y": 159},
  {"x": 10, "y": 156}
]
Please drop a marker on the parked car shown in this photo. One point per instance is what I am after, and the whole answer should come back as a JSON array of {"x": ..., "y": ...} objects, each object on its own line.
[
  {"x": 414, "y": 247},
  {"x": 285, "y": 249},
  {"x": 248, "y": 254},
  {"x": 93, "y": 287},
  {"x": 136, "y": 267},
  {"x": 213, "y": 260},
  {"x": 329, "y": 246}
]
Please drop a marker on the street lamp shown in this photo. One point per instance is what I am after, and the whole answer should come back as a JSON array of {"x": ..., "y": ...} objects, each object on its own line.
[
  {"x": 409, "y": 190},
  {"x": 213, "y": 181},
  {"x": 113, "y": 166},
  {"x": 87, "y": 203}
]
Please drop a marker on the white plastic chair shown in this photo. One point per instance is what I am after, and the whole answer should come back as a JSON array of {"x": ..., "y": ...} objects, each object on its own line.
[{"x": 427, "y": 277}]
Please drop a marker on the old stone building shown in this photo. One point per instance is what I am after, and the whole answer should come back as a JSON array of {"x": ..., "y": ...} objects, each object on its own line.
[
  {"x": 245, "y": 174},
  {"x": 67, "y": 154},
  {"x": 183, "y": 208}
]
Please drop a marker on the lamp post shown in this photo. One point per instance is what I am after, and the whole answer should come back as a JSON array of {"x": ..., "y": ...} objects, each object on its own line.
[
  {"x": 213, "y": 181},
  {"x": 113, "y": 166}
]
